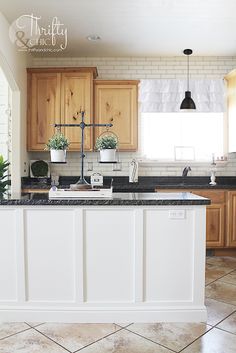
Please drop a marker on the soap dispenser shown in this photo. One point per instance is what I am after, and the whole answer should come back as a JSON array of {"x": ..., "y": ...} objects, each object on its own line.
[
  {"x": 213, "y": 172},
  {"x": 133, "y": 171}
]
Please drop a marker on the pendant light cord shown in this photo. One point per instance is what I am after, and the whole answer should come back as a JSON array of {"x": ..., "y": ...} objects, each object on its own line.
[{"x": 188, "y": 75}]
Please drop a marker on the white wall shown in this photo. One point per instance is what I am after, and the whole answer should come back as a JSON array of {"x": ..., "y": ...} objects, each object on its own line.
[
  {"x": 4, "y": 120},
  {"x": 140, "y": 68},
  {"x": 13, "y": 64}
]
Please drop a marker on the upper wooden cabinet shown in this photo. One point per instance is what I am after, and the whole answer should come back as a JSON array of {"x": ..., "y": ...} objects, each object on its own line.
[
  {"x": 58, "y": 95},
  {"x": 116, "y": 102}
]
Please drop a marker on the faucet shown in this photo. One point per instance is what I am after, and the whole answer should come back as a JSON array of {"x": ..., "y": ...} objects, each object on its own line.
[{"x": 185, "y": 171}]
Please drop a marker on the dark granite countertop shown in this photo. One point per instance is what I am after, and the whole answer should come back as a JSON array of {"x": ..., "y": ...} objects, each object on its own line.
[
  {"x": 145, "y": 184},
  {"x": 118, "y": 199}
]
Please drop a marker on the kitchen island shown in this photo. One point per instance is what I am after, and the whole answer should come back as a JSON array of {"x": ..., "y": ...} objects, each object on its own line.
[{"x": 132, "y": 258}]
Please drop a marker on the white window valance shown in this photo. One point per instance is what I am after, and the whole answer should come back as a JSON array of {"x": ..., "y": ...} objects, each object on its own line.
[{"x": 166, "y": 95}]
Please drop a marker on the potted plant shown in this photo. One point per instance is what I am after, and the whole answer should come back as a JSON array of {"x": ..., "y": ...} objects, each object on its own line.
[
  {"x": 3, "y": 176},
  {"x": 58, "y": 144},
  {"x": 107, "y": 146}
]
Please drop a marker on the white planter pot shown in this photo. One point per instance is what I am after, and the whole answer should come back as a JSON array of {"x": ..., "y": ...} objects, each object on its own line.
[
  {"x": 58, "y": 155},
  {"x": 108, "y": 155}
]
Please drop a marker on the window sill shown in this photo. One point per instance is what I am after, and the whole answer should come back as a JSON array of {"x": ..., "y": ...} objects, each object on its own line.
[{"x": 151, "y": 162}]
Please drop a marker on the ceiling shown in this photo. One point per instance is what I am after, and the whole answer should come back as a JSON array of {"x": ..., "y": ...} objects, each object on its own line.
[{"x": 137, "y": 27}]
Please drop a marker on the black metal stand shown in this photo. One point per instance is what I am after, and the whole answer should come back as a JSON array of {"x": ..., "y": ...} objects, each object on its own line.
[{"x": 81, "y": 183}]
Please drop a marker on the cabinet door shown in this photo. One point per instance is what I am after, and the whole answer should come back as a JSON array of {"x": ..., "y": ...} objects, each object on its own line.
[
  {"x": 215, "y": 225},
  {"x": 76, "y": 93},
  {"x": 116, "y": 103},
  {"x": 43, "y": 108},
  {"x": 231, "y": 219}
]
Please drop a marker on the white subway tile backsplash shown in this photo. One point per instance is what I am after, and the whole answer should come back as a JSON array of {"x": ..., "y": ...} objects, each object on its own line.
[{"x": 141, "y": 68}]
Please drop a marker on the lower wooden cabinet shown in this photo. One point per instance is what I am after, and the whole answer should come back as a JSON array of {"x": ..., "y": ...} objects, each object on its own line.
[
  {"x": 215, "y": 216},
  {"x": 231, "y": 220},
  {"x": 216, "y": 230},
  {"x": 215, "y": 225}
]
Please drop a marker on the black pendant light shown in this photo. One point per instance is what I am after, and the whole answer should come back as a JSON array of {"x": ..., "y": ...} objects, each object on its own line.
[{"x": 188, "y": 103}]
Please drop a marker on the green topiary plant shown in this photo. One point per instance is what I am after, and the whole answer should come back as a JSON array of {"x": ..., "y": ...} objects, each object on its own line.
[
  {"x": 57, "y": 142},
  {"x": 3, "y": 176},
  {"x": 106, "y": 142}
]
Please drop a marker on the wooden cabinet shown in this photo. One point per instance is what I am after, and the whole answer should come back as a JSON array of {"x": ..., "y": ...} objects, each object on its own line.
[
  {"x": 57, "y": 95},
  {"x": 116, "y": 102},
  {"x": 231, "y": 220},
  {"x": 43, "y": 107},
  {"x": 215, "y": 215}
]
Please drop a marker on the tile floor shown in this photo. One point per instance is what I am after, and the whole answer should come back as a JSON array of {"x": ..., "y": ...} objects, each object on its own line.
[{"x": 218, "y": 335}]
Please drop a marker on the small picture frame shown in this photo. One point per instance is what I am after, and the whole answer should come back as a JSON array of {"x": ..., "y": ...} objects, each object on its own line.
[{"x": 184, "y": 153}]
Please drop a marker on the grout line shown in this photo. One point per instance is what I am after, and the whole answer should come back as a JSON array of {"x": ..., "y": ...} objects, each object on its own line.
[
  {"x": 212, "y": 327},
  {"x": 219, "y": 328},
  {"x": 100, "y": 339},
  {"x": 34, "y": 328},
  {"x": 16, "y": 333},
  {"x": 31, "y": 326},
  {"x": 215, "y": 280},
  {"x": 219, "y": 300},
  {"x": 125, "y": 326},
  {"x": 197, "y": 338},
  {"x": 148, "y": 339}
]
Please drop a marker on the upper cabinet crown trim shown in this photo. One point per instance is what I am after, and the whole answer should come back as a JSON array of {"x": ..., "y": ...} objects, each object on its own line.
[{"x": 85, "y": 69}]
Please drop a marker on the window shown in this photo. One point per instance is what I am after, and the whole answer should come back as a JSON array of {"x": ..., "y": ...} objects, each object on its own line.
[{"x": 182, "y": 136}]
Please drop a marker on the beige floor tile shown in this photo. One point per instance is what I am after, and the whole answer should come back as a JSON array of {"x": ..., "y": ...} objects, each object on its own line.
[
  {"x": 215, "y": 272},
  {"x": 217, "y": 311},
  {"x": 124, "y": 342},
  {"x": 174, "y": 336},
  {"x": 7, "y": 329},
  {"x": 215, "y": 341},
  {"x": 76, "y": 336},
  {"x": 222, "y": 291},
  {"x": 29, "y": 341},
  {"x": 230, "y": 278},
  {"x": 229, "y": 324},
  {"x": 226, "y": 261}
]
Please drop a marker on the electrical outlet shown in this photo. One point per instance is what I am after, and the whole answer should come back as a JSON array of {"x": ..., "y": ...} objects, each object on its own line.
[
  {"x": 177, "y": 214},
  {"x": 117, "y": 166}
]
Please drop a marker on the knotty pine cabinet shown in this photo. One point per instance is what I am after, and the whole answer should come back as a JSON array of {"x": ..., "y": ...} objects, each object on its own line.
[
  {"x": 116, "y": 102},
  {"x": 231, "y": 220},
  {"x": 58, "y": 95},
  {"x": 216, "y": 232}
]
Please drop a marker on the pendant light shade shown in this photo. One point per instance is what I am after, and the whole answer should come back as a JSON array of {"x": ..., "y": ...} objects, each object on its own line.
[{"x": 188, "y": 102}]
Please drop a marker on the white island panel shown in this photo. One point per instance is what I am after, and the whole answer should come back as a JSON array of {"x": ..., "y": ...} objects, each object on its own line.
[
  {"x": 109, "y": 255},
  {"x": 169, "y": 254},
  {"x": 49, "y": 255},
  {"x": 8, "y": 257}
]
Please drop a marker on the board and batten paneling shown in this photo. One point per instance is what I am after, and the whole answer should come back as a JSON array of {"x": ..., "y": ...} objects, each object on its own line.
[{"x": 102, "y": 264}]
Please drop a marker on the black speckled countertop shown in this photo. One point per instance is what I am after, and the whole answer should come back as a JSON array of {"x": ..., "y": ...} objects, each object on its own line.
[
  {"x": 145, "y": 184},
  {"x": 118, "y": 199}
]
